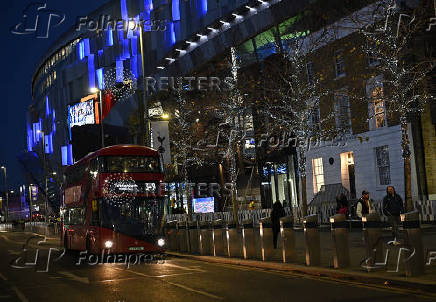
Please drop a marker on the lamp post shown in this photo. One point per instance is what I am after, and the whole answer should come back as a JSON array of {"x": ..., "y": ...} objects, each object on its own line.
[
  {"x": 45, "y": 173},
  {"x": 145, "y": 114},
  {"x": 6, "y": 194},
  {"x": 100, "y": 107}
]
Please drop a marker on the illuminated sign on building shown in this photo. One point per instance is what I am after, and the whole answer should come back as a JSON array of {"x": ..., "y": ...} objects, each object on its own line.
[
  {"x": 204, "y": 205},
  {"x": 82, "y": 113}
]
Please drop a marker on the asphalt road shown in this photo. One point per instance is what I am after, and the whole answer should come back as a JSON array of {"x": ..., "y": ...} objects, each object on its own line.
[{"x": 176, "y": 280}]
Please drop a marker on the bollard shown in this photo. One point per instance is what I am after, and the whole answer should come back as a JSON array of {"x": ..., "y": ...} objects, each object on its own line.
[
  {"x": 266, "y": 239},
  {"x": 288, "y": 239},
  {"x": 206, "y": 243},
  {"x": 218, "y": 231},
  {"x": 193, "y": 237},
  {"x": 312, "y": 240},
  {"x": 372, "y": 232},
  {"x": 414, "y": 250},
  {"x": 171, "y": 235},
  {"x": 234, "y": 240},
  {"x": 182, "y": 237},
  {"x": 341, "y": 249},
  {"x": 248, "y": 241}
]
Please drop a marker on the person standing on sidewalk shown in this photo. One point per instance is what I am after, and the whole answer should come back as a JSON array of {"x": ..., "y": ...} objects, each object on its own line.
[
  {"x": 364, "y": 205},
  {"x": 392, "y": 207},
  {"x": 277, "y": 212}
]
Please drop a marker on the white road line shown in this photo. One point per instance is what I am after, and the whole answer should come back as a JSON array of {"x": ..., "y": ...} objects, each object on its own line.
[
  {"x": 3, "y": 277},
  {"x": 75, "y": 277},
  {"x": 184, "y": 268},
  {"x": 175, "y": 284},
  {"x": 19, "y": 294}
]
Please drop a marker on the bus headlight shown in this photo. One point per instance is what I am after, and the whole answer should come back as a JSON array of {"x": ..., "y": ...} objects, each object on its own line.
[
  {"x": 161, "y": 242},
  {"x": 108, "y": 244}
]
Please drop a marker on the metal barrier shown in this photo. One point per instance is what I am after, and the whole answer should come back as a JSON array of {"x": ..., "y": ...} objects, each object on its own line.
[
  {"x": 248, "y": 240},
  {"x": 234, "y": 242},
  {"x": 194, "y": 237},
  {"x": 218, "y": 235},
  {"x": 372, "y": 231},
  {"x": 182, "y": 236},
  {"x": 341, "y": 249},
  {"x": 266, "y": 239},
  {"x": 171, "y": 235},
  {"x": 414, "y": 249},
  {"x": 312, "y": 240},
  {"x": 205, "y": 240},
  {"x": 288, "y": 239}
]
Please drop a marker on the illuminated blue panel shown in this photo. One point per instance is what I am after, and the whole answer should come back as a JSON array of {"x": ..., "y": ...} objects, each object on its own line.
[
  {"x": 175, "y": 8},
  {"x": 109, "y": 36},
  {"x": 148, "y": 5},
  {"x": 48, "y": 140},
  {"x": 86, "y": 47},
  {"x": 64, "y": 155},
  {"x": 69, "y": 122},
  {"x": 29, "y": 139},
  {"x": 70, "y": 155},
  {"x": 100, "y": 78},
  {"x": 54, "y": 121},
  {"x": 91, "y": 71},
  {"x": 119, "y": 71},
  {"x": 126, "y": 49},
  {"x": 134, "y": 65},
  {"x": 124, "y": 14},
  {"x": 172, "y": 34},
  {"x": 47, "y": 107},
  {"x": 81, "y": 50},
  {"x": 203, "y": 7}
]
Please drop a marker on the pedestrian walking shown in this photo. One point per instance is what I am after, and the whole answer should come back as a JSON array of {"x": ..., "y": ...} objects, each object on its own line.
[
  {"x": 342, "y": 204},
  {"x": 277, "y": 212},
  {"x": 392, "y": 207},
  {"x": 365, "y": 205}
]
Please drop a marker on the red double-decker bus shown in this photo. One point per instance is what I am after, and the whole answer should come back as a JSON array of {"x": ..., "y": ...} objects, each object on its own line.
[{"x": 113, "y": 201}]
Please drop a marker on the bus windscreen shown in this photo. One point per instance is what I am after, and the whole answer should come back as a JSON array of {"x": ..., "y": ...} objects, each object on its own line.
[{"x": 131, "y": 164}]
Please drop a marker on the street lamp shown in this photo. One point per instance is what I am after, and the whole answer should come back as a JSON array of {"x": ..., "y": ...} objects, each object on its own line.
[
  {"x": 100, "y": 101},
  {"x": 45, "y": 173},
  {"x": 6, "y": 193}
]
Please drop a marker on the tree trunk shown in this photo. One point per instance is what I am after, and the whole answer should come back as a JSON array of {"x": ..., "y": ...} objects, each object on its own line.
[
  {"x": 407, "y": 168},
  {"x": 303, "y": 197}
]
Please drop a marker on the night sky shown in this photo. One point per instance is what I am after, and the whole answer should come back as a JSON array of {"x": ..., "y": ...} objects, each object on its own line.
[{"x": 20, "y": 55}]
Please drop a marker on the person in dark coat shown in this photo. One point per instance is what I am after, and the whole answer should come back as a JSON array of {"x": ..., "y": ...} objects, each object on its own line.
[
  {"x": 277, "y": 212},
  {"x": 392, "y": 207},
  {"x": 342, "y": 205}
]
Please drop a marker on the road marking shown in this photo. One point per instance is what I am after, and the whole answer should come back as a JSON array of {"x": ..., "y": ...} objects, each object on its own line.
[
  {"x": 184, "y": 268},
  {"x": 174, "y": 284},
  {"x": 14, "y": 252},
  {"x": 75, "y": 277},
  {"x": 20, "y": 295},
  {"x": 3, "y": 277}
]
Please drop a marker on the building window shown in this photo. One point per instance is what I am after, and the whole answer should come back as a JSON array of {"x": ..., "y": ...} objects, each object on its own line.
[
  {"x": 383, "y": 165},
  {"x": 339, "y": 64},
  {"x": 377, "y": 116},
  {"x": 342, "y": 113},
  {"x": 310, "y": 73},
  {"x": 318, "y": 174},
  {"x": 315, "y": 119}
]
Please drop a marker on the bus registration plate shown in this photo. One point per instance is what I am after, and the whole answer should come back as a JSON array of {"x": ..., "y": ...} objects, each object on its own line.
[{"x": 136, "y": 248}]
